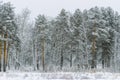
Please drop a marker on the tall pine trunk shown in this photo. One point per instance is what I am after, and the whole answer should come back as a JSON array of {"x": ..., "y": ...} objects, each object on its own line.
[
  {"x": 43, "y": 55},
  {"x": 61, "y": 64},
  {"x": 93, "y": 65},
  {"x": 0, "y": 53},
  {"x": 5, "y": 54},
  {"x": 34, "y": 60},
  {"x": 37, "y": 56},
  {"x": 71, "y": 60}
]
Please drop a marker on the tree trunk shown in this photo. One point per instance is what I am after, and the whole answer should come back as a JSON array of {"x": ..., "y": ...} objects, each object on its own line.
[
  {"x": 43, "y": 54},
  {"x": 1, "y": 50},
  {"x": 0, "y": 53},
  {"x": 34, "y": 61},
  {"x": 71, "y": 60},
  {"x": 94, "y": 49},
  {"x": 5, "y": 54},
  {"x": 61, "y": 64},
  {"x": 37, "y": 60},
  {"x": 8, "y": 55}
]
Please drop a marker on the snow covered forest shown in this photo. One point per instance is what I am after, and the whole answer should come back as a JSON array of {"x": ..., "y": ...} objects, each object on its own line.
[{"x": 70, "y": 42}]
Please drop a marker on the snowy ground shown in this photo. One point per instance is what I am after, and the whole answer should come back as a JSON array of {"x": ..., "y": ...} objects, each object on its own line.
[{"x": 59, "y": 75}]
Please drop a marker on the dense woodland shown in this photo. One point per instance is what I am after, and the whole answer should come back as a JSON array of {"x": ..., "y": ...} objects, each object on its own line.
[{"x": 79, "y": 41}]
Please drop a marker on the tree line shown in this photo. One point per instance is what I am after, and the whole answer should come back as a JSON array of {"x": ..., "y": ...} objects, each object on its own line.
[
  {"x": 9, "y": 41},
  {"x": 82, "y": 40}
]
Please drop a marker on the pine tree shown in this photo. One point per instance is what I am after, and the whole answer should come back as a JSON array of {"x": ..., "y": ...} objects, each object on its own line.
[
  {"x": 8, "y": 30},
  {"x": 41, "y": 27}
]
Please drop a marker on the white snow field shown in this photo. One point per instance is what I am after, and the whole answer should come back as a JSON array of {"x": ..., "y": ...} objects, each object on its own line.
[{"x": 59, "y": 76}]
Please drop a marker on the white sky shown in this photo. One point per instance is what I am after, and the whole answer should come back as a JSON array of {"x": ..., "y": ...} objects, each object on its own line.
[{"x": 53, "y": 7}]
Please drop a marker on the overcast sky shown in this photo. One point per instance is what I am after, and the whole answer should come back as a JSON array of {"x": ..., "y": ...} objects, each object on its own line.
[{"x": 53, "y": 7}]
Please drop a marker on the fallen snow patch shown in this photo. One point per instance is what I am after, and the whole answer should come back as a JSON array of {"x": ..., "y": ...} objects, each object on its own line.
[{"x": 59, "y": 76}]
